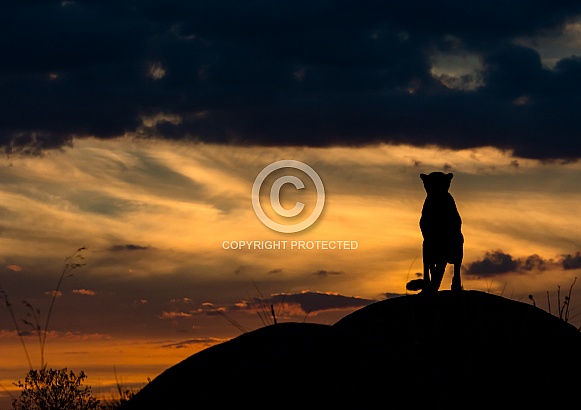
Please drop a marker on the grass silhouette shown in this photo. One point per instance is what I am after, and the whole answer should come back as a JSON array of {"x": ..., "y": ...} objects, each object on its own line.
[
  {"x": 124, "y": 394},
  {"x": 41, "y": 387},
  {"x": 264, "y": 311},
  {"x": 72, "y": 262},
  {"x": 53, "y": 389},
  {"x": 563, "y": 307}
]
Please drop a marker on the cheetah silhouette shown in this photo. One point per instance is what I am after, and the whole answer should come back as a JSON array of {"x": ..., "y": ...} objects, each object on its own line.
[{"x": 441, "y": 228}]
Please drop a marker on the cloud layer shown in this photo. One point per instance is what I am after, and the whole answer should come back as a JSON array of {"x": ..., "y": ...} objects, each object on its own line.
[
  {"x": 455, "y": 74},
  {"x": 154, "y": 218},
  {"x": 497, "y": 262}
]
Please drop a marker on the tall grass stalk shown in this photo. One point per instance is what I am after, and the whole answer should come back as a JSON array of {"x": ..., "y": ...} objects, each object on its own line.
[
  {"x": 265, "y": 312},
  {"x": 72, "y": 262},
  {"x": 9, "y": 306}
]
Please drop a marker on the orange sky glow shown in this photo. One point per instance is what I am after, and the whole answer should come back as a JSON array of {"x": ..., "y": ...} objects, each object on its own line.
[{"x": 159, "y": 283}]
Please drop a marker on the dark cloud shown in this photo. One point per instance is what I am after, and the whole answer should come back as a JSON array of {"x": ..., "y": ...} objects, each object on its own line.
[
  {"x": 241, "y": 270},
  {"x": 315, "y": 73},
  {"x": 128, "y": 247},
  {"x": 311, "y": 302},
  {"x": 493, "y": 263},
  {"x": 205, "y": 342},
  {"x": 534, "y": 263},
  {"x": 324, "y": 272},
  {"x": 306, "y": 302},
  {"x": 499, "y": 263},
  {"x": 390, "y": 295},
  {"x": 572, "y": 261}
]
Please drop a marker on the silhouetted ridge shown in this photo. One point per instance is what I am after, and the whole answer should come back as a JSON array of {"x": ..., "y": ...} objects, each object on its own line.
[
  {"x": 445, "y": 343},
  {"x": 470, "y": 333}
]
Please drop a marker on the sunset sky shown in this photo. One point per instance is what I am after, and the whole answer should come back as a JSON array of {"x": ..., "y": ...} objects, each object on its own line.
[{"x": 136, "y": 130}]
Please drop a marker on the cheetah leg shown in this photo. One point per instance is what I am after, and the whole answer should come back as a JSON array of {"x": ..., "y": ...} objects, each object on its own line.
[
  {"x": 428, "y": 266},
  {"x": 437, "y": 275},
  {"x": 456, "y": 280}
]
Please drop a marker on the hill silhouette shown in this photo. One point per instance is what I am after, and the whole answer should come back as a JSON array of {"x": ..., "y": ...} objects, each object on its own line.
[{"x": 442, "y": 348}]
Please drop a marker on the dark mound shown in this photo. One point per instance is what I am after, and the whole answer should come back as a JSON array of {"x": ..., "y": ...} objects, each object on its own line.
[{"x": 441, "y": 347}]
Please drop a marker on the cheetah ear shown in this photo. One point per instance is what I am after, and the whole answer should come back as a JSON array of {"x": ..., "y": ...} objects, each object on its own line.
[
  {"x": 450, "y": 176},
  {"x": 423, "y": 177}
]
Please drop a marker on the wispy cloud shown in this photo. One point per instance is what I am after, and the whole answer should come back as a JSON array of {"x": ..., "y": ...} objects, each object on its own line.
[
  {"x": 85, "y": 292},
  {"x": 174, "y": 315},
  {"x": 293, "y": 304},
  {"x": 324, "y": 272},
  {"x": 183, "y": 344},
  {"x": 168, "y": 246}
]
